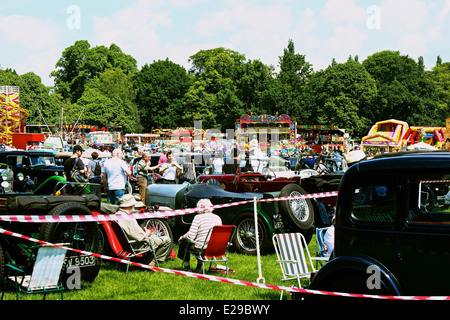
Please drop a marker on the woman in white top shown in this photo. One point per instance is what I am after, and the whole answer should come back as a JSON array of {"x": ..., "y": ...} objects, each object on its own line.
[{"x": 198, "y": 231}]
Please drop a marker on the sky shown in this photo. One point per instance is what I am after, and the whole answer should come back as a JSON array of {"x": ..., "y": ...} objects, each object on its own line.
[{"x": 35, "y": 33}]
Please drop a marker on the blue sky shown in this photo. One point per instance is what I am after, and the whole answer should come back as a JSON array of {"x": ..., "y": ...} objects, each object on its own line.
[{"x": 35, "y": 33}]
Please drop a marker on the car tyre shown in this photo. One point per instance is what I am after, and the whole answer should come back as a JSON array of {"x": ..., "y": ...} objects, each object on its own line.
[
  {"x": 244, "y": 238},
  {"x": 84, "y": 236},
  {"x": 298, "y": 211}
]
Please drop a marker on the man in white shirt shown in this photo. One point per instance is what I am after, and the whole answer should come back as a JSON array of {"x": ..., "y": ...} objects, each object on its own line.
[{"x": 114, "y": 176}]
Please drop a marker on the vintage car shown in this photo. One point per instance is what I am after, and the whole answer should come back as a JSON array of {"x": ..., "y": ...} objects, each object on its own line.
[
  {"x": 33, "y": 170},
  {"x": 392, "y": 228},
  {"x": 273, "y": 216},
  {"x": 79, "y": 235},
  {"x": 257, "y": 182}
]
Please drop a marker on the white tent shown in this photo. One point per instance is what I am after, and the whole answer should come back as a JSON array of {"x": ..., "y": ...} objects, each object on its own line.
[
  {"x": 421, "y": 146},
  {"x": 101, "y": 154}
]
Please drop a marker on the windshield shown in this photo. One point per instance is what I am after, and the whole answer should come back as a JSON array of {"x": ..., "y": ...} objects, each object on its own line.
[{"x": 42, "y": 160}]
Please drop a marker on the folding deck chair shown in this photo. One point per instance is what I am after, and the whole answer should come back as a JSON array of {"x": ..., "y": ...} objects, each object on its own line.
[
  {"x": 215, "y": 246},
  {"x": 45, "y": 275},
  {"x": 124, "y": 248},
  {"x": 322, "y": 254},
  {"x": 290, "y": 249}
]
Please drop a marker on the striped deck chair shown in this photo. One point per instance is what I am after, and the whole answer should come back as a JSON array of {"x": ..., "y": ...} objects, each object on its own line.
[
  {"x": 290, "y": 249},
  {"x": 45, "y": 275}
]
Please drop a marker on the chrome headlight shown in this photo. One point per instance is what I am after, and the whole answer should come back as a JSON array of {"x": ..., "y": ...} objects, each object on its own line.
[{"x": 20, "y": 176}]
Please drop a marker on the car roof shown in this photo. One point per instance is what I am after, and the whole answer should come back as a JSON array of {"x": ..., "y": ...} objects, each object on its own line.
[
  {"x": 29, "y": 152},
  {"x": 404, "y": 160}
]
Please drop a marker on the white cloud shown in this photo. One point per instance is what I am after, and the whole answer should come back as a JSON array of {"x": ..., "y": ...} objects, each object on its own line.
[
  {"x": 274, "y": 18},
  {"x": 134, "y": 30},
  {"x": 338, "y": 11},
  {"x": 34, "y": 44},
  {"x": 444, "y": 12},
  {"x": 404, "y": 16},
  {"x": 346, "y": 40},
  {"x": 30, "y": 32},
  {"x": 216, "y": 24}
]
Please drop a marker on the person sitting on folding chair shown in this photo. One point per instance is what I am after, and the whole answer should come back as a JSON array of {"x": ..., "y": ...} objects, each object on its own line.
[
  {"x": 329, "y": 237},
  {"x": 134, "y": 232},
  {"x": 198, "y": 232}
]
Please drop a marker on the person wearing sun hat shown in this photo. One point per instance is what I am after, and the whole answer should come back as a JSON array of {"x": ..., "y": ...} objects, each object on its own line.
[{"x": 145, "y": 236}]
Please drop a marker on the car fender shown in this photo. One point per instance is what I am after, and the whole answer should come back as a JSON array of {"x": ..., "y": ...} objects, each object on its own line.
[
  {"x": 55, "y": 178},
  {"x": 356, "y": 265}
]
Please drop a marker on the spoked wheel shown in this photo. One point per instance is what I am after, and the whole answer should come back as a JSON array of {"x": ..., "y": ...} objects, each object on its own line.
[
  {"x": 299, "y": 211},
  {"x": 244, "y": 238},
  {"x": 162, "y": 228}
]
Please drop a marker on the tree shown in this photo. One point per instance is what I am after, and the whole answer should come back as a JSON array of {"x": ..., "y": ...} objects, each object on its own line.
[
  {"x": 405, "y": 92},
  {"x": 109, "y": 99},
  {"x": 257, "y": 88},
  {"x": 160, "y": 89},
  {"x": 341, "y": 95},
  {"x": 440, "y": 77},
  {"x": 42, "y": 105},
  {"x": 212, "y": 97},
  {"x": 294, "y": 74},
  {"x": 80, "y": 64}
]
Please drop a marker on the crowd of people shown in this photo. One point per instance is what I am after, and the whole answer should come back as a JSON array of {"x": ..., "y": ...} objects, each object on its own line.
[{"x": 113, "y": 176}]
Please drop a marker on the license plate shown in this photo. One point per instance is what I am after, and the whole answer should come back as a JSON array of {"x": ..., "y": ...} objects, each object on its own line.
[
  {"x": 278, "y": 225},
  {"x": 80, "y": 261}
]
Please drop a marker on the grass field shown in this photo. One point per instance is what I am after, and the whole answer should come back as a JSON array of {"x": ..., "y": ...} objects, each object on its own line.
[{"x": 114, "y": 283}]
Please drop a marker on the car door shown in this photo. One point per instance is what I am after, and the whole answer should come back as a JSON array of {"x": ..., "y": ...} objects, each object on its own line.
[
  {"x": 424, "y": 254},
  {"x": 368, "y": 225}
]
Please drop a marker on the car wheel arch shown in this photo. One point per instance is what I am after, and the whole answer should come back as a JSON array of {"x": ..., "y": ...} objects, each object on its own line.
[{"x": 357, "y": 266}]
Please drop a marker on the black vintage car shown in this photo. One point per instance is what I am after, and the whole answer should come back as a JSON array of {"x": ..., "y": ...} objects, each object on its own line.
[
  {"x": 392, "y": 228},
  {"x": 39, "y": 166}
]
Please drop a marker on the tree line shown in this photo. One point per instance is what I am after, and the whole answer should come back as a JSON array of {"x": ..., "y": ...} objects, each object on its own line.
[{"x": 103, "y": 86}]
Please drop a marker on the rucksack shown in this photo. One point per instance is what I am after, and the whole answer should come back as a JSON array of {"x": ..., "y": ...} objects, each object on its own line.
[
  {"x": 75, "y": 174},
  {"x": 97, "y": 169}
]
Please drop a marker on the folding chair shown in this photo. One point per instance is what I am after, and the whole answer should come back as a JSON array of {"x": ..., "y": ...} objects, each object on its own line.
[
  {"x": 215, "y": 246},
  {"x": 126, "y": 248},
  {"x": 45, "y": 275},
  {"x": 290, "y": 249},
  {"x": 322, "y": 254}
]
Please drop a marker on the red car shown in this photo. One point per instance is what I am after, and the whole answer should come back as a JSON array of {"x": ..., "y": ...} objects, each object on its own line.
[
  {"x": 249, "y": 182},
  {"x": 257, "y": 182}
]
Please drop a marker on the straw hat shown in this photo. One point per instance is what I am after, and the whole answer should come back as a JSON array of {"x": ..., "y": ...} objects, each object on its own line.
[{"x": 127, "y": 201}]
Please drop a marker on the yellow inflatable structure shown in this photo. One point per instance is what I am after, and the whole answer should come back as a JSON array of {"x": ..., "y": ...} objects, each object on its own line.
[{"x": 387, "y": 133}]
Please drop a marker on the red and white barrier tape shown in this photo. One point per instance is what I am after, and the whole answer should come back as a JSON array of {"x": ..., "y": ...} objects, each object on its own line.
[
  {"x": 231, "y": 281},
  {"x": 147, "y": 215}
]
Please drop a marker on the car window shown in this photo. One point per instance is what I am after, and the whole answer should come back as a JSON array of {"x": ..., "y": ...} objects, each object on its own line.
[
  {"x": 40, "y": 160},
  {"x": 375, "y": 200},
  {"x": 429, "y": 199}
]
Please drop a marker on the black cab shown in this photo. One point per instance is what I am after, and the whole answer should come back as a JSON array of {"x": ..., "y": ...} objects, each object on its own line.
[{"x": 392, "y": 229}]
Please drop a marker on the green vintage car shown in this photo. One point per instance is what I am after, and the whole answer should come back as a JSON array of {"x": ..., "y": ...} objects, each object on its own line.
[{"x": 273, "y": 216}]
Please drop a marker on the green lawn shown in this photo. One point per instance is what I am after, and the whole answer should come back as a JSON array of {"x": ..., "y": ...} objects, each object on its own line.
[{"x": 113, "y": 283}]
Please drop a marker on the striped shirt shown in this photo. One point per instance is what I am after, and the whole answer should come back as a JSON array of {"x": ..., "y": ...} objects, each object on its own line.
[{"x": 200, "y": 227}]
